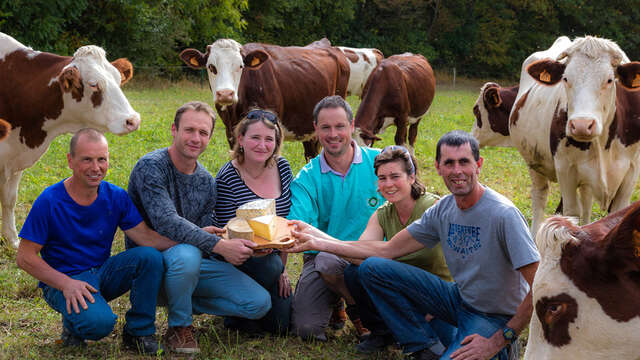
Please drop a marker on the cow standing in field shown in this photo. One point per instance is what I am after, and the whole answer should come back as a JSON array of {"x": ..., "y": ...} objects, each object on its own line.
[
  {"x": 287, "y": 80},
  {"x": 399, "y": 91},
  {"x": 574, "y": 123},
  {"x": 491, "y": 110},
  {"x": 586, "y": 292},
  {"x": 362, "y": 61},
  {"x": 44, "y": 95}
]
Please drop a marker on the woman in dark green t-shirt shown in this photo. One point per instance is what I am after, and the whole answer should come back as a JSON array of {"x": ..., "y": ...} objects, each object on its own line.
[{"x": 407, "y": 199}]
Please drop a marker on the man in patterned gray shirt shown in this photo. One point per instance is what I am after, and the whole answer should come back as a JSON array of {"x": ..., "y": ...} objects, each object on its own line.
[{"x": 175, "y": 196}]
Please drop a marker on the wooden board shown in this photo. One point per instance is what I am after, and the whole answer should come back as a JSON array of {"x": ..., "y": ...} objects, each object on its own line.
[{"x": 283, "y": 238}]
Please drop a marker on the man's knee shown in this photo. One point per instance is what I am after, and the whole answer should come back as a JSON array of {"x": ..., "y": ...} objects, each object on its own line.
[
  {"x": 329, "y": 264},
  {"x": 94, "y": 324},
  {"x": 149, "y": 258},
  {"x": 258, "y": 306},
  {"x": 183, "y": 260},
  {"x": 370, "y": 268}
]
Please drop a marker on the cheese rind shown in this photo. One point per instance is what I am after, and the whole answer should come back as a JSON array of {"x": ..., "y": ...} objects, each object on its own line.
[
  {"x": 238, "y": 228},
  {"x": 256, "y": 208},
  {"x": 264, "y": 226}
]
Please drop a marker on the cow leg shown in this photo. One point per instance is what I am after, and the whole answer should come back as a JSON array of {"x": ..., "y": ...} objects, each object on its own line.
[
  {"x": 8, "y": 196},
  {"x": 413, "y": 134},
  {"x": 539, "y": 193},
  {"x": 401, "y": 130},
  {"x": 310, "y": 149},
  {"x": 569, "y": 192},
  {"x": 623, "y": 194},
  {"x": 586, "y": 202}
]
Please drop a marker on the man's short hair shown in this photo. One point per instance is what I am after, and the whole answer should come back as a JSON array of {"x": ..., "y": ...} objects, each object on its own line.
[
  {"x": 457, "y": 138},
  {"x": 330, "y": 102},
  {"x": 92, "y": 135},
  {"x": 195, "y": 106}
]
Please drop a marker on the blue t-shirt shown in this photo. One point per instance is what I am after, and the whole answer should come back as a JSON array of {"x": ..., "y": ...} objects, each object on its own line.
[{"x": 76, "y": 238}]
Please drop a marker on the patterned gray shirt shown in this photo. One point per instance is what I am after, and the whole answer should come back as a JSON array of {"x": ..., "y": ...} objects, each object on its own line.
[{"x": 174, "y": 204}]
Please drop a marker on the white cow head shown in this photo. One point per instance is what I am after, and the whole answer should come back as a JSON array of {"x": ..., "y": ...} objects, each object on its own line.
[
  {"x": 91, "y": 91},
  {"x": 224, "y": 60},
  {"x": 588, "y": 78},
  {"x": 587, "y": 289}
]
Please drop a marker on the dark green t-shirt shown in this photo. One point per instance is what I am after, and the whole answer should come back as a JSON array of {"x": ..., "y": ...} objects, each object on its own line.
[{"x": 431, "y": 260}]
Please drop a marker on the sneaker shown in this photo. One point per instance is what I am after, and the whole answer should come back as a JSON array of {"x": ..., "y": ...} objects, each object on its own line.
[
  {"x": 68, "y": 339},
  {"x": 374, "y": 343},
  {"x": 424, "y": 354},
  {"x": 361, "y": 331},
  {"x": 338, "y": 317},
  {"x": 180, "y": 339},
  {"x": 145, "y": 345}
]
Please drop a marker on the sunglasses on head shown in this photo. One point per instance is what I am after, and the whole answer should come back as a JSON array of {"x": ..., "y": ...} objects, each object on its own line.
[
  {"x": 404, "y": 150},
  {"x": 262, "y": 114}
]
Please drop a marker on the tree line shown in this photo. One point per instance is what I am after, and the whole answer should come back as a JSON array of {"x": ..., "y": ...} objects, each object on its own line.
[{"x": 480, "y": 38}]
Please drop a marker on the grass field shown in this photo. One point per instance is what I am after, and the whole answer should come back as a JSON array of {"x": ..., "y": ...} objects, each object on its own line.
[{"x": 29, "y": 328}]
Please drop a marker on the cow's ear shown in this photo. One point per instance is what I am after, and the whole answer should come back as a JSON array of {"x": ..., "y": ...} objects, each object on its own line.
[
  {"x": 629, "y": 75},
  {"x": 71, "y": 81},
  {"x": 623, "y": 241},
  {"x": 492, "y": 96},
  {"x": 255, "y": 59},
  {"x": 5, "y": 128},
  {"x": 125, "y": 68},
  {"x": 194, "y": 58},
  {"x": 546, "y": 71}
]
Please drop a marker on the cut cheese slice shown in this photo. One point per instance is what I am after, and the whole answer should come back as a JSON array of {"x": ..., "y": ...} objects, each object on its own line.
[
  {"x": 257, "y": 208},
  {"x": 264, "y": 226},
  {"x": 238, "y": 228}
]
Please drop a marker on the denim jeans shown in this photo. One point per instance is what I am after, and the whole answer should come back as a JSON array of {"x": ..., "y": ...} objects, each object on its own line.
[
  {"x": 138, "y": 270},
  {"x": 266, "y": 271},
  {"x": 403, "y": 294},
  {"x": 194, "y": 284}
]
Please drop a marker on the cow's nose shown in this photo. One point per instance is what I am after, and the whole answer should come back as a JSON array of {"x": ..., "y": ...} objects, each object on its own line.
[
  {"x": 132, "y": 123},
  {"x": 224, "y": 97},
  {"x": 582, "y": 127}
]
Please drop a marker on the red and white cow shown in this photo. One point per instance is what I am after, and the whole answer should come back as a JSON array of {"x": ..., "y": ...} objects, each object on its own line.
[
  {"x": 44, "y": 95},
  {"x": 491, "y": 110},
  {"x": 362, "y": 61},
  {"x": 287, "y": 80},
  {"x": 578, "y": 125},
  {"x": 399, "y": 91},
  {"x": 586, "y": 291},
  {"x": 5, "y": 129}
]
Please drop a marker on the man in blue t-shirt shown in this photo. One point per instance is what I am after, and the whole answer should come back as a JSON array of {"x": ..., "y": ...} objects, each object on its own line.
[
  {"x": 487, "y": 247},
  {"x": 72, "y": 225}
]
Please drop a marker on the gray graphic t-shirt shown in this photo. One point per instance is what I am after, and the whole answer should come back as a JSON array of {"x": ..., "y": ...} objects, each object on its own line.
[{"x": 483, "y": 246}]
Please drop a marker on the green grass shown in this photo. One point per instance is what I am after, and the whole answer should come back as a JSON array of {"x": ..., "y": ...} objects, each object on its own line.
[{"x": 29, "y": 328}]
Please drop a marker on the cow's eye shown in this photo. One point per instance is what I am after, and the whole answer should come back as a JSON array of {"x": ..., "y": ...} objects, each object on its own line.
[
  {"x": 565, "y": 79},
  {"x": 609, "y": 81},
  {"x": 93, "y": 85},
  {"x": 213, "y": 69}
]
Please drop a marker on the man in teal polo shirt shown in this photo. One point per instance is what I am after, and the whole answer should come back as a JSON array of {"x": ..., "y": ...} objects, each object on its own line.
[{"x": 337, "y": 193}]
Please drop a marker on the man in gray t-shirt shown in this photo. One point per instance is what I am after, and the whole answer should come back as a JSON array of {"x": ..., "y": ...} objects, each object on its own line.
[{"x": 488, "y": 249}]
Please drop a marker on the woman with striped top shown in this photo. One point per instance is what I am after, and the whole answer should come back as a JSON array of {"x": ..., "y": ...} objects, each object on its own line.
[{"x": 257, "y": 171}]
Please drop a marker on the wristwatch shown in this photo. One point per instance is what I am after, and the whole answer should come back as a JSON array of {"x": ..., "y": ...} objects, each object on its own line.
[{"x": 509, "y": 334}]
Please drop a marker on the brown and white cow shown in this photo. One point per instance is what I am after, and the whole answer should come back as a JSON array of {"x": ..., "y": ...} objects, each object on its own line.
[
  {"x": 362, "y": 61},
  {"x": 399, "y": 91},
  {"x": 491, "y": 110},
  {"x": 5, "y": 129},
  {"x": 578, "y": 125},
  {"x": 288, "y": 80},
  {"x": 44, "y": 95},
  {"x": 586, "y": 291}
]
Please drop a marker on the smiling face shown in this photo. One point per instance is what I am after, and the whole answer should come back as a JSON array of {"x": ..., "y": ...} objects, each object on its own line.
[
  {"x": 334, "y": 131},
  {"x": 393, "y": 181},
  {"x": 258, "y": 142},
  {"x": 459, "y": 169},
  {"x": 191, "y": 137},
  {"x": 89, "y": 162}
]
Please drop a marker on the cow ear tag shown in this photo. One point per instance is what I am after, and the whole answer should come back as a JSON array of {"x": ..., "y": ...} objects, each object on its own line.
[
  {"x": 545, "y": 76},
  {"x": 255, "y": 61},
  {"x": 194, "y": 62},
  {"x": 636, "y": 81}
]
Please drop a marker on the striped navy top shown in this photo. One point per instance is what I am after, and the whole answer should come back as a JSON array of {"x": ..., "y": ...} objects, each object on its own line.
[{"x": 232, "y": 192}]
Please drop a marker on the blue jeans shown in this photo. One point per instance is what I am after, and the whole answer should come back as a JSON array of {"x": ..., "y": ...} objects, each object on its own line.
[
  {"x": 194, "y": 284},
  {"x": 403, "y": 294},
  {"x": 138, "y": 270}
]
